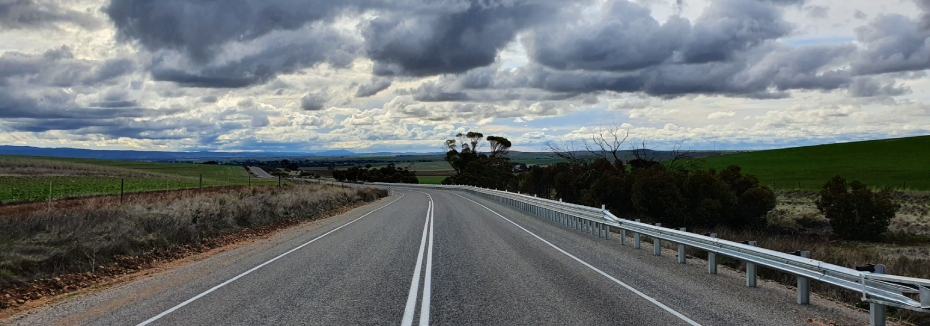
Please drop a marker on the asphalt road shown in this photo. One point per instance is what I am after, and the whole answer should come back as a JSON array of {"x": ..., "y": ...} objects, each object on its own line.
[
  {"x": 260, "y": 173},
  {"x": 443, "y": 258}
]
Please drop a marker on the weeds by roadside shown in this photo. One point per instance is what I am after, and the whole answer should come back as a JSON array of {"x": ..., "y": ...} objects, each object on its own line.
[{"x": 81, "y": 239}]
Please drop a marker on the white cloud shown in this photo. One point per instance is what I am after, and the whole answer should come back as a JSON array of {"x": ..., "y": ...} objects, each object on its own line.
[{"x": 721, "y": 115}]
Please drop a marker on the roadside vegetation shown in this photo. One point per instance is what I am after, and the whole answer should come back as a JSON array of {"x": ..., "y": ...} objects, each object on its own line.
[
  {"x": 389, "y": 173},
  {"x": 842, "y": 222},
  {"x": 30, "y": 179},
  {"x": 45, "y": 244}
]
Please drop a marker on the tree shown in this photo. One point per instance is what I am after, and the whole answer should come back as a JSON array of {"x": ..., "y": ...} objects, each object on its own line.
[
  {"x": 475, "y": 168},
  {"x": 854, "y": 211}
]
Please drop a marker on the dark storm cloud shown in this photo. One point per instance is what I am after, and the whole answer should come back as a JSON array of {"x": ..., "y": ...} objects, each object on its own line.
[
  {"x": 312, "y": 102},
  {"x": 625, "y": 38},
  {"x": 377, "y": 85},
  {"x": 276, "y": 54},
  {"x": 415, "y": 38},
  {"x": 764, "y": 72},
  {"x": 454, "y": 38},
  {"x": 894, "y": 43},
  {"x": 58, "y": 68},
  {"x": 199, "y": 27},
  {"x": 27, "y": 14},
  {"x": 730, "y": 26},
  {"x": 731, "y": 49},
  {"x": 58, "y": 104}
]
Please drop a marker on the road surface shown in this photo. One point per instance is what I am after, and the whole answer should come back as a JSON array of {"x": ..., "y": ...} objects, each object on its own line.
[
  {"x": 258, "y": 172},
  {"x": 444, "y": 258}
]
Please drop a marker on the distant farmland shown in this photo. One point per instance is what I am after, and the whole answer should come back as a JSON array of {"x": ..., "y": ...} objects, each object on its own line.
[
  {"x": 433, "y": 180},
  {"x": 890, "y": 162},
  {"x": 26, "y": 179}
]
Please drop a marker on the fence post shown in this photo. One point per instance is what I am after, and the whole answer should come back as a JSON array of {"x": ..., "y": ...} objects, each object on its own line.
[
  {"x": 636, "y": 239},
  {"x": 712, "y": 259},
  {"x": 50, "y": 196},
  {"x": 804, "y": 284},
  {"x": 877, "y": 313},
  {"x": 656, "y": 244},
  {"x": 201, "y": 183},
  {"x": 122, "y": 186},
  {"x": 751, "y": 269},
  {"x": 681, "y": 250}
]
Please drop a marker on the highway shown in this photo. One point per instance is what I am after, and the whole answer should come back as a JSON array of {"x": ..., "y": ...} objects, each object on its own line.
[
  {"x": 258, "y": 172},
  {"x": 445, "y": 258}
]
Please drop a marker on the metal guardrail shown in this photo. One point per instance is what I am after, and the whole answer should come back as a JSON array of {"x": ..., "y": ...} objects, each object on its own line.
[{"x": 877, "y": 288}]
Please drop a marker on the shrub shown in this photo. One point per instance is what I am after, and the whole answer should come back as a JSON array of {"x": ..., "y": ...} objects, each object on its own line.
[{"x": 854, "y": 211}]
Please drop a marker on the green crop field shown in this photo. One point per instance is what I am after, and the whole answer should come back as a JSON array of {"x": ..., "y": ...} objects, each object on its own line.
[
  {"x": 25, "y": 179},
  {"x": 430, "y": 180},
  {"x": 897, "y": 163}
]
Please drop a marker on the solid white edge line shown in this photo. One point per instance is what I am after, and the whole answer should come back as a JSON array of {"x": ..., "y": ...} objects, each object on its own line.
[
  {"x": 643, "y": 295},
  {"x": 427, "y": 281},
  {"x": 182, "y": 304},
  {"x": 410, "y": 309}
]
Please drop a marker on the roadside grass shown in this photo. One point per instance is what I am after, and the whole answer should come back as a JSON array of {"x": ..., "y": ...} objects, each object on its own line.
[
  {"x": 897, "y": 163},
  {"x": 79, "y": 239},
  {"x": 26, "y": 179},
  {"x": 432, "y": 180},
  {"x": 795, "y": 224}
]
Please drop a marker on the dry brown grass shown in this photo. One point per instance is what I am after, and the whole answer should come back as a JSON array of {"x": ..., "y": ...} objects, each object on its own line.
[
  {"x": 49, "y": 243},
  {"x": 795, "y": 224}
]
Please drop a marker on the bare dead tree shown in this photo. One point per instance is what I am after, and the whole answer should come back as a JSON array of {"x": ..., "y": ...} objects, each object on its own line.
[
  {"x": 606, "y": 144},
  {"x": 682, "y": 159},
  {"x": 566, "y": 151}
]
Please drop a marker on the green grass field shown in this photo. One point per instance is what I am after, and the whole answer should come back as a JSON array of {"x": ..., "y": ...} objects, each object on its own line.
[
  {"x": 25, "y": 179},
  {"x": 430, "y": 180},
  {"x": 878, "y": 163}
]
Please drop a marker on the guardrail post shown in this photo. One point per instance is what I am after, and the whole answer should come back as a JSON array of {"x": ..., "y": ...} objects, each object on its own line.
[
  {"x": 681, "y": 250},
  {"x": 636, "y": 239},
  {"x": 622, "y": 237},
  {"x": 751, "y": 269},
  {"x": 607, "y": 233},
  {"x": 712, "y": 259},
  {"x": 804, "y": 284},
  {"x": 600, "y": 229},
  {"x": 657, "y": 246},
  {"x": 877, "y": 313}
]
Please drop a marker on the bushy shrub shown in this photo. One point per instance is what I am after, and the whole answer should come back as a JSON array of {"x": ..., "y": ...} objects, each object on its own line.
[
  {"x": 854, "y": 211},
  {"x": 656, "y": 193}
]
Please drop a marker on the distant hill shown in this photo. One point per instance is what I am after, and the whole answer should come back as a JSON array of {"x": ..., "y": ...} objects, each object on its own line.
[
  {"x": 154, "y": 155},
  {"x": 887, "y": 162}
]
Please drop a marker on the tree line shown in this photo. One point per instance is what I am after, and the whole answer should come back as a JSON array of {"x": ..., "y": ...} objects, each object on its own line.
[
  {"x": 389, "y": 173},
  {"x": 675, "y": 192}
]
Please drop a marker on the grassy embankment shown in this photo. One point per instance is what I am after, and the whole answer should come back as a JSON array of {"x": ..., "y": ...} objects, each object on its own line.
[
  {"x": 430, "y": 180},
  {"x": 27, "y": 179},
  {"x": 900, "y": 163},
  {"x": 796, "y": 224}
]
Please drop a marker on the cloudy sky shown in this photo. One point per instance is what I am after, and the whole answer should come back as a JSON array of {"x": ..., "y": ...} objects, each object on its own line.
[{"x": 403, "y": 75}]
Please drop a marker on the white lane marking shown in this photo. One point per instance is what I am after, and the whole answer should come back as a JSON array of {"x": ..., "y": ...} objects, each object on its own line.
[
  {"x": 415, "y": 282},
  {"x": 428, "y": 280},
  {"x": 654, "y": 301},
  {"x": 182, "y": 304}
]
